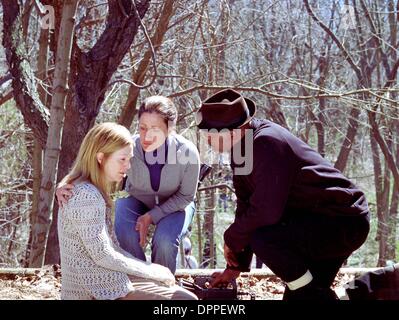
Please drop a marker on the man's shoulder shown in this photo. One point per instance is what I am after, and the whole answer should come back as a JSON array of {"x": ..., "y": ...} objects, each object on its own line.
[
  {"x": 269, "y": 129},
  {"x": 268, "y": 137},
  {"x": 267, "y": 134}
]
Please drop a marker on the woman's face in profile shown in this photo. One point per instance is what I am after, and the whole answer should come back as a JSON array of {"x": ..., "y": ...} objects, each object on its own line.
[
  {"x": 153, "y": 131},
  {"x": 117, "y": 164}
]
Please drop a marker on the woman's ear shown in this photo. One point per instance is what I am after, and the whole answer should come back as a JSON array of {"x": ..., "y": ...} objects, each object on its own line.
[{"x": 100, "y": 157}]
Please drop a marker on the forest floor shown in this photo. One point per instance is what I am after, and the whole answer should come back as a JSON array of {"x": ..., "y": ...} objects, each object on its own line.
[{"x": 46, "y": 285}]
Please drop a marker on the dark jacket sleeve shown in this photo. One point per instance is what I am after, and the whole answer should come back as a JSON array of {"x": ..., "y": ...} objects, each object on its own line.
[
  {"x": 241, "y": 191},
  {"x": 244, "y": 259},
  {"x": 272, "y": 177}
]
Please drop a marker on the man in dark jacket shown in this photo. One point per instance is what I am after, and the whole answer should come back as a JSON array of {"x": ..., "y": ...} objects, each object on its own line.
[{"x": 295, "y": 211}]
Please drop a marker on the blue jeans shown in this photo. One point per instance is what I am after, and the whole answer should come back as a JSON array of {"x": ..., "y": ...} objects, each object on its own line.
[{"x": 167, "y": 235}]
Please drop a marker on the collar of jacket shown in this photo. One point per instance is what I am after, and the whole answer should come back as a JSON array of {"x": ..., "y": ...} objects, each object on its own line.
[{"x": 171, "y": 142}]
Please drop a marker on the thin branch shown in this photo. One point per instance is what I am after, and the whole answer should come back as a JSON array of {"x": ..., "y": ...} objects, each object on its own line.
[
  {"x": 166, "y": 76},
  {"x": 151, "y": 47},
  {"x": 216, "y": 186},
  {"x": 98, "y": 5},
  {"x": 326, "y": 94},
  {"x": 6, "y": 97},
  {"x": 131, "y": 83},
  {"x": 40, "y": 8},
  {"x": 6, "y": 78}
]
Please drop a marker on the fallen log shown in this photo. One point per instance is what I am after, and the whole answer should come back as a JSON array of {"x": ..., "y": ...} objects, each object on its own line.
[
  {"x": 259, "y": 273},
  {"x": 21, "y": 272},
  {"x": 29, "y": 272},
  {"x": 180, "y": 273}
]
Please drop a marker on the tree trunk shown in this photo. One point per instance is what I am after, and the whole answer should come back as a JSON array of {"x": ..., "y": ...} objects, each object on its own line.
[
  {"x": 209, "y": 252},
  {"x": 393, "y": 210},
  {"x": 393, "y": 223},
  {"x": 53, "y": 145},
  {"x": 37, "y": 154},
  {"x": 198, "y": 216},
  {"x": 199, "y": 232},
  {"x": 383, "y": 224},
  {"x": 35, "y": 115},
  {"x": 208, "y": 256},
  {"x": 320, "y": 121},
  {"x": 349, "y": 139},
  {"x": 381, "y": 188},
  {"x": 37, "y": 166}
]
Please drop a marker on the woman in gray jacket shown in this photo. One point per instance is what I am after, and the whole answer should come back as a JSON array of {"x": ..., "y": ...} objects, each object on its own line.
[{"x": 162, "y": 183}]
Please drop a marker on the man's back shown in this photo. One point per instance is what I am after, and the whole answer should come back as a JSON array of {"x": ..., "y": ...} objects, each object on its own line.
[{"x": 307, "y": 181}]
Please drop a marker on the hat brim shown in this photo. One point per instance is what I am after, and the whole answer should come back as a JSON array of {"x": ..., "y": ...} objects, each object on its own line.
[{"x": 251, "y": 109}]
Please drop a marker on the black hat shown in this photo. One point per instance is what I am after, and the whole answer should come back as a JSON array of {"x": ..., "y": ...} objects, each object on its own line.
[{"x": 226, "y": 109}]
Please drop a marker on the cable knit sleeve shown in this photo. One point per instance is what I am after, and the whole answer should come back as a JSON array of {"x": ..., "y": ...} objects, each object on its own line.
[{"x": 87, "y": 213}]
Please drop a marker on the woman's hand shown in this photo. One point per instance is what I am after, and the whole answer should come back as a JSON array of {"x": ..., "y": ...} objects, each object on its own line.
[
  {"x": 142, "y": 225},
  {"x": 63, "y": 194},
  {"x": 163, "y": 274}
]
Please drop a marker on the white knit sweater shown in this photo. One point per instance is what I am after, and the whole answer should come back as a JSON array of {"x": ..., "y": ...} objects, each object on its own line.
[{"x": 92, "y": 266}]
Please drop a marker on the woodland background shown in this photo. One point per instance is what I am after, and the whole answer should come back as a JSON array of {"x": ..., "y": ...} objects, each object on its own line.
[{"x": 326, "y": 70}]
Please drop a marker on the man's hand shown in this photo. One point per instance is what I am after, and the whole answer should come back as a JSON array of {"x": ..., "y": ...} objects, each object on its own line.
[
  {"x": 230, "y": 257},
  {"x": 63, "y": 194},
  {"x": 142, "y": 225},
  {"x": 224, "y": 278}
]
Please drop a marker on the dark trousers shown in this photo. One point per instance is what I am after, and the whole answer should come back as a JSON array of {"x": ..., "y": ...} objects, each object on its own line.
[{"x": 311, "y": 242}]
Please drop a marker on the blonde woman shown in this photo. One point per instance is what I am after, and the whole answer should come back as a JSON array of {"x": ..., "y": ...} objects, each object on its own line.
[
  {"x": 93, "y": 265},
  {"x": 161, "y": 183}
]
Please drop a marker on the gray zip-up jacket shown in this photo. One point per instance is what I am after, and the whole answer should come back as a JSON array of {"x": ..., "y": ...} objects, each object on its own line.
[{"x": 179, "y": 177}]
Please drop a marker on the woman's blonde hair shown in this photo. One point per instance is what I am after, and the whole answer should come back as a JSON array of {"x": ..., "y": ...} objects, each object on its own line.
[{"x": 106, "y": 138}]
